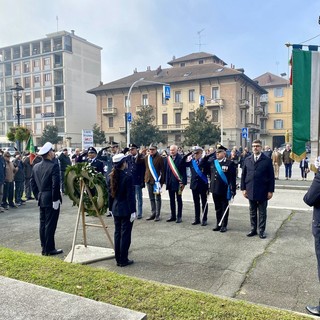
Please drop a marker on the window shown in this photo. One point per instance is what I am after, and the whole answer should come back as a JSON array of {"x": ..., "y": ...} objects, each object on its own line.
[
  {"x": 47, "y": 79},
  {"x": 46, "y": 46},
  {"x": 58, "y": 60},
  {"x": 7, "y": 69},
  {"x": 215, "y": 115},
  {"x": 177, "y": 138},
  {"x": 16, "y": 68},
  {"x": 27, "y": 97},
  {"x": 177, "y": 96},
  {"x": 278, "y": 124},
  {"x": 278, "y": 107},
  {"x": 215, "y": 93},
  {"x": 27, "y": 113},
  {"x": 60, "y": 125},
  {"x": 58, "y": 77},
  {"x": 59, "y": 93},
  {"x": 191, "y": 95},
  {"x": 26, "y": 67},
  {"x": 9, "y": 99},
  {"x": 191, "y": 115},
  {"x": 182, "y": 64},
  {"x": 36, "y": 65},
  {"x": 110, "y": 103},
  {"x": 47, "y": 95},
  {"x": 36, "y": 80},
  {"x": 110, "y": 122},
  {"x": 145, "y": 101},
  {"x": 164, "y": 120},
  {"x": 38, "y": 127},
  {"x": 278, "y": 92},
  {"x": 36, "y": 48},
  {"x": 1, "y": 100},
  {"x": 59, "y": 109},
  {"x": 37, "y": 112},
  {"x": 16, "y": 52},
  {"x": 26, "y": 50},
  {"x": 26, "y": 82},
  {"x": 57, "y": 44},
  {"x": 200, "y": 61},
  {"x": 46, "y": 63},
  {"x": 37, "y": 96},
  {"x": 178, "y": 118}
]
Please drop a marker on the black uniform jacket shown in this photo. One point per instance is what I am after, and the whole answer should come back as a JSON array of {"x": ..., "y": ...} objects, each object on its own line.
[
  {"x": 172, "y": 183},
  {"x": 217, "y": 185},
  {"x": 45, "y": 182},
  {"x": 124, "y": 203},
  {"x": 312, "y": 197},
  {"x": 97, "y": 164},
  {"x": 257, "y": 177},
  {"x": 196, "y": 182}
]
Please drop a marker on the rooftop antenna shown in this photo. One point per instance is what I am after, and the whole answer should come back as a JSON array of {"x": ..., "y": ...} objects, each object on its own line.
[
  {"x": 57, "y": 18},
  {"x": 199, "y": 35}
]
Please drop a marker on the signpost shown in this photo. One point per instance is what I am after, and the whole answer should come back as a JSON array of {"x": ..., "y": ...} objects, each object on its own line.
[
  {"x": 87, "y": 139},
  {"x": 244, "y": 132}
]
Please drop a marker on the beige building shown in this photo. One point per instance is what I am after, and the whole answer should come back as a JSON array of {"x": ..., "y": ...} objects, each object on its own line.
[
  {"x": 55, "y": 73},
  {"x": 232, "y": 99},
  {"x": 276, "y": 120}
]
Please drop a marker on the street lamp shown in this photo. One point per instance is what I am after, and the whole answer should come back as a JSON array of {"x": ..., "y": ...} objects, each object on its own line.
[
  {"x": 221, "y": 125},
  {"x": 18, "y": 96},
  {"x": 129, "y": 102}
]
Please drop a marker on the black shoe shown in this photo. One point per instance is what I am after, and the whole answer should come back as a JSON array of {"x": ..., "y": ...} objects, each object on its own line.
[
  {"x": 314, "y": 310},
  {"x": 195, "y": 222},
  {"x": 223, "y": 229},
  {"x": 139, "y": 217},
  {"x": 262, "y": 235},
  {"x": 54, "y": 252},
  {"x": 217, "y": 228},
  {"x": 171, "y": 219},
  {"x": 204, "y": 223},
  {"x": 30, "y": 198},
  {"x": 179, "y": 220},
  {"x": 157, "y": 219},
  {"x": 252, "y": 233},
  {"x": 151, "y": 218},
  {"x": 126, "y": 263}
]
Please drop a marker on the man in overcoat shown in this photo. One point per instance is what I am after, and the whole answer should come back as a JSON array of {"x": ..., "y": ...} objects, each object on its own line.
[
  {"x": 45, "y": 183},
  {"x": 257, "y": 185}
]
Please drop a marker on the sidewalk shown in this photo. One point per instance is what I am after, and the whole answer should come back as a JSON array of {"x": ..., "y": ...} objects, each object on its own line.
[{"x": 279, "y": 271}]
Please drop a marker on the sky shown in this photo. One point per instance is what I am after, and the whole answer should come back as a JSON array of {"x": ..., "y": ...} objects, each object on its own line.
[{"x": 250, "y": 34}]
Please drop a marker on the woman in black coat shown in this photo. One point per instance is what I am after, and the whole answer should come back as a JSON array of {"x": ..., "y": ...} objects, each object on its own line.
[{"x": 122, "y": 202}]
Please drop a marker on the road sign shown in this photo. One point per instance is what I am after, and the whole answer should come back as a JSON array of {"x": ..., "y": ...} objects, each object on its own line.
[
  {"x": 201, "y": 100},
  {"x": 244, "y": 132},
  {"x": 166, "y": 92},
  {"x": 129, "y": 116}
]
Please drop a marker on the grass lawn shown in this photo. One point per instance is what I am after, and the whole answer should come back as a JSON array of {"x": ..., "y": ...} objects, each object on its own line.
[{"x": 156, "y": 300}]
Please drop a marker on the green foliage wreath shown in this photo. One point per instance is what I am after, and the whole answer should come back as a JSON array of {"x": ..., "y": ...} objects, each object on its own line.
[{"x": 94, "y": 180}]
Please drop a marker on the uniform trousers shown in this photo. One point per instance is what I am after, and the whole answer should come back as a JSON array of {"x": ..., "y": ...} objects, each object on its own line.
[
  {"x": 27, "y": 187},
  {"x": 139, "y": 199},
  {"x": 220, "y": 205},
  {"x": 155, "y": 201},
  {"x": 196, "y": 201},
  {"x": 173, "y": 195},
  {"x": 122, "y": 238},
  {"x": 48, "y": 225},
  {"x": 254, "y": 208}
]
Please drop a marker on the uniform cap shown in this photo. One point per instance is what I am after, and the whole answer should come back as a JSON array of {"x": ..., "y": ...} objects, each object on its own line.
[
  {"x": 118, "y": 158},
  {"x": 153, "y": 146},
  {"x": 132, "y": 146},
  {"x": 196, "y": 149},
  {"x": 92, "y": 150},
  {"x": 45, "y": 148},
  {"x": 114, "y": 144},
  {"x": 220, "y": 148}
]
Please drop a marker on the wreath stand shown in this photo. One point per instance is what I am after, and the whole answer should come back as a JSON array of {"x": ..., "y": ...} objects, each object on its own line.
[{"x": 84, "y": 253}]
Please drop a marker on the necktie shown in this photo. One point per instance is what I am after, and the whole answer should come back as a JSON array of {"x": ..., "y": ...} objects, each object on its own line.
[{"x": 255, "y": 159}]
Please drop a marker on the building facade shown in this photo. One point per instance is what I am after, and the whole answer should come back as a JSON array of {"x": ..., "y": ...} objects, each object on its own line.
[
  {"x": 276, "y": 121},
  {"x": 55, "y": 73},
  {"x": 232, "y": 99}
]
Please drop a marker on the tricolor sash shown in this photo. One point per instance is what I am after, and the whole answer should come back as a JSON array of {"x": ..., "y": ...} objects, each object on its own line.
[
  {"x": 157, "y": 185},
  {"x": 175, "y": 172},
  {"x": 198, "y": 171},
  {"x": 223, "y": 177}
]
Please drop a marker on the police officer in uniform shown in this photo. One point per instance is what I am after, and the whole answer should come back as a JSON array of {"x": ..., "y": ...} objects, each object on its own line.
[
  {"x": 45, "y": 184},
  {"x": 222, "y": 185},
  {"x": 94, "y": 162}
]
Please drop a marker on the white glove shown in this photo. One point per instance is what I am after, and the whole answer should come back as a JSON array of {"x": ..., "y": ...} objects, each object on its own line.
[
  {"x": 56, "y": 204},
  {"x": 133, "y": 217}
]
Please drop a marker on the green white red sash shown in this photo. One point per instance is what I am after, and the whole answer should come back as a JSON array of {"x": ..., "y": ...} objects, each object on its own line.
[{"x": 175, "y": 172}]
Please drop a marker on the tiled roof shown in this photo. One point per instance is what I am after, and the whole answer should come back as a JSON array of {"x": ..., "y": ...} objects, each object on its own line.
[
  {"x": 175, "y": 75},
  {"x": 271, "y": 80},
  {"x": 194, "y": 56}
]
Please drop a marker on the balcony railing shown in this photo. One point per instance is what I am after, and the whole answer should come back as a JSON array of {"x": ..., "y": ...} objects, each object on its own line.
[
  {"x": 172, "y": 127},
  {"x": 177, "y": 105},
  {"x": 258, "y": 110},
  {"x": 109, "y": 111},
  {"x": 264, "y": 132},
  {"x": 244, "y": 104},
  {"x": 122, "y": 129},
  {"x": 47, "y": 114},
  {"x": 210, "y": 103},
  {"x": 264, "y": 115}
]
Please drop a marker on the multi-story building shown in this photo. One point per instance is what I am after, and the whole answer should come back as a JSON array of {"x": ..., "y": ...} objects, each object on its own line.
[
  {"x": 55, "y": 73},
  {"x": 232, "y": 99},
  {"x": 276, "y": 119}
]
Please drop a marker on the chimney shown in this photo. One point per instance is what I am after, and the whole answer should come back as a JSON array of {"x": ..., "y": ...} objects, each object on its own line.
[
  {"x": 159, "y": 70},
  {"x": 148, "y": 68},
  {"x": 135, "y": 70},
  {"x": 72, "y": 32}
]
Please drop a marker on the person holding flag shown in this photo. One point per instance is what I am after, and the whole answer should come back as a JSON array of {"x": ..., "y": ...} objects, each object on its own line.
[{"x": 176, "y": 179}]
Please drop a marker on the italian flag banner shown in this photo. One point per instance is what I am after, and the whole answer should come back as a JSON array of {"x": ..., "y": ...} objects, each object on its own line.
[
  {"x": 305, "y": 100},
  {"x": 31, "y": 149}
]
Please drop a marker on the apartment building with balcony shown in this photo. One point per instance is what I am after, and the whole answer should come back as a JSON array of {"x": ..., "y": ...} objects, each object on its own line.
[
  {"x": 55, "y": 72},
  {"x": 276, "y": 117},
  {"x": 230, "y": 96}
]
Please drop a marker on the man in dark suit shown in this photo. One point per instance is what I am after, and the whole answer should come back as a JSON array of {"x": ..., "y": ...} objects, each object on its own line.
[
  {"x": 45, "y": 184},
  {"x": 257, "y": 185},
  {"x": 222, "y": 186},
  {"x": 176, "y": 179},
  {"x": 200, "y": 171}
]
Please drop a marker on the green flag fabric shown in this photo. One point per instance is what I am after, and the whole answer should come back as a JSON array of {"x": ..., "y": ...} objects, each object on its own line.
[
  {"x": 30, "y": 145},
  {"x": 305, "y": 100}
]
